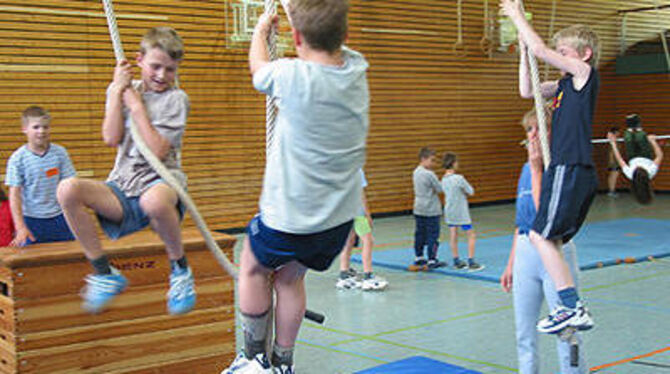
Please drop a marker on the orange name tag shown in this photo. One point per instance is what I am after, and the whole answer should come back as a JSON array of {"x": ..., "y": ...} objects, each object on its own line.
[{"x": 52, "y": 172}]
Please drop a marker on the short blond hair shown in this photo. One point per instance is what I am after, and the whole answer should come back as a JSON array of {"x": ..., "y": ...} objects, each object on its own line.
[
  {"x": 164, "y": 38},
  {"x": 580, "y": 37},
  {"x": 323, "y": 23},
  {"x": 35, "y": 111},
  {"x": 532, "y": 115}
]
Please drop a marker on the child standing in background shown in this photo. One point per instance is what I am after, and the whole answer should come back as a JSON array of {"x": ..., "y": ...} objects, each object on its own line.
[{"x": 456, "y": 212}]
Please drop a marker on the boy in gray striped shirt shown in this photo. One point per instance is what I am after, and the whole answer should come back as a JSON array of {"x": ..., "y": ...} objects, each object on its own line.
[{"x": 33, "y": 174}]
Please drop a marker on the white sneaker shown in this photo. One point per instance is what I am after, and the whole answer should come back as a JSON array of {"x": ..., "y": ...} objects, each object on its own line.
[
  {"x": 348, "y": 283},
  {"x": 283, "y": 369},
  {"x": 374, "y": 283},
  {"x": 242, "y": 365}
]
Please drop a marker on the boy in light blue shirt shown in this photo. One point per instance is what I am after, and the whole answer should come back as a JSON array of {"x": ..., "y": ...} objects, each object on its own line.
[
  {"x": 311, "y": 187},
  {"x": 33, "y": 174}
]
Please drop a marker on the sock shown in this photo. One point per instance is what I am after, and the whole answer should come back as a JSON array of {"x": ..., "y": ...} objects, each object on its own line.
[
  {"x": 471, "y": 260},
  {"x": 456, "y": 260},
  {"x": 282, "y": 355},
  {"x": 180, "y": 263},
  {"x": 568, "y": 297},
  {"x": 101, "y": 265},
  {"x": 367, "y": 275},
  {"x": 344, "y": 274},
  {"x": 255, "y": 328}
]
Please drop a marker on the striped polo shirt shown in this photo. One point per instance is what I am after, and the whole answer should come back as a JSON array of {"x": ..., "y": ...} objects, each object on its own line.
[{"x": 39, "y": 175}]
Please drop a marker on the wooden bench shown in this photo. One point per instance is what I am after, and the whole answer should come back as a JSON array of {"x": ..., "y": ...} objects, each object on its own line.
[{"x": 44, "y": 330}]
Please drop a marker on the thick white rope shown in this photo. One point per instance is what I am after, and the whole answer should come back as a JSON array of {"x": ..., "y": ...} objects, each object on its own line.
[
  {"x": 539, "y": 103},
  {"x": 458, "y": 47},
  {"x": 158, "y": 166},
  {"x": 270, "y": 101}
]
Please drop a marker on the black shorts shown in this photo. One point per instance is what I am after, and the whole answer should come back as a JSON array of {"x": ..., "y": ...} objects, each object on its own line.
[
  {"x": 567, "y": 193},
  {"x": 274, "y": 248}
]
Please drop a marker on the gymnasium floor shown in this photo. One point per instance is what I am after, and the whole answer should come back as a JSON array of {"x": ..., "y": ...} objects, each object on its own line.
[{"x": 469, "y": 323}]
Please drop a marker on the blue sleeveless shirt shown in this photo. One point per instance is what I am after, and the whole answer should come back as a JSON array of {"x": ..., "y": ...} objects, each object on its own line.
[{"x": 571, "y": 121}]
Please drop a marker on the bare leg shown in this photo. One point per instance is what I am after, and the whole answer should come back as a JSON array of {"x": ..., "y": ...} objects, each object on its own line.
[
  {"x": 253, "y": 283},
  {"x": 611, "y": 180},
  {"x": 472, "y": 237},
  {"x": 75, "y": 195},
  {"x": 291, "y": 299},
  {"x": 368, "y": 243},
  {"x": 553, "y": 261},
  {"x": 453, "y": 240},
  {"x": 159, "y": 204},
  {"x": 345, "y": 255}
]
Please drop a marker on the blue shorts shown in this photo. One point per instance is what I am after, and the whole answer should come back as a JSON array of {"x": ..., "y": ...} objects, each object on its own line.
[
  {"x": 133, "y": 219},
  {"x": 317, "y": 251},
  {"x": 467, "y": 227},
  {"x": 47, "y": 230},
  {"x": 567, "y": 194}
]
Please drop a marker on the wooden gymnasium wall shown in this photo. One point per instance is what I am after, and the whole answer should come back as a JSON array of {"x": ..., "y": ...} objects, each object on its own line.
[{"x": 57, "y": 53}]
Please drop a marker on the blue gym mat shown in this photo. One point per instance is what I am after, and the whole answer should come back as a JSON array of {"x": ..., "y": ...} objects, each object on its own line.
[
  {"x": 598, "y": 244},
  {"x": 418, "y": 365}
]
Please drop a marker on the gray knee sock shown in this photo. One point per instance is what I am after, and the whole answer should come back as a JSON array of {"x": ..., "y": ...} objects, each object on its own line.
[
  {"x": 255, "y": 328},
  {"x": 282, "y": 355}
]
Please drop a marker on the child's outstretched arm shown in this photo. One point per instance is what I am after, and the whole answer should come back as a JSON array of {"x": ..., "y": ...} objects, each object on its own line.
[
  {"x": 657, "y": 150},
  {"x": 615, "y": 150},
  {"x": 579, "y": 69},
  {"x": 258, "y": 50},
  {"x": 547, "y": 88}
]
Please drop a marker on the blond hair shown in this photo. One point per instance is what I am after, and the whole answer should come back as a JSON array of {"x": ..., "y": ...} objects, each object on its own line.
[
  {"x": 323, "y": 23},
  {"x": 164, "y": 38},
  {"x": 532, "y": 115},
  {"x": 35, "y": 111},
  {"x": 580, "y": 37}
]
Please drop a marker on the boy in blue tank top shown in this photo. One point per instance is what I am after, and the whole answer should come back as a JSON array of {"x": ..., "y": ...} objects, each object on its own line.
[{"x": 569, "y": 184}]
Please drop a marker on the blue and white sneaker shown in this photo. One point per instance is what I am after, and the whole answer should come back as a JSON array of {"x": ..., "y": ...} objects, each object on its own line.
[
  {"x": 181, "y": 296},
  {"x": 583, "y": 320},
  {"x": 563, "y": 317},
  {"x": 284, "y": 369},
  {"x": 243, "y": 365},
  {"x": 101, "y": 289},
  {"x": 557, "y": 320}
]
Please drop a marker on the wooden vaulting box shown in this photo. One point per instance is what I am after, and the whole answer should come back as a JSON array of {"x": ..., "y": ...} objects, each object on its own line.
[{"x": 44, "y": 330}]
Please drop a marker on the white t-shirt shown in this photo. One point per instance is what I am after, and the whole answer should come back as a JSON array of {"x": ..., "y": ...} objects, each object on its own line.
[
  {"x": 311, "y": 180},
  {"x": 640, "y": 162}
]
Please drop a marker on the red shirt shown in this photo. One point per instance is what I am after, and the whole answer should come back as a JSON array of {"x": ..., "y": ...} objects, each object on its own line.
[{"x": 6, "y": 224}]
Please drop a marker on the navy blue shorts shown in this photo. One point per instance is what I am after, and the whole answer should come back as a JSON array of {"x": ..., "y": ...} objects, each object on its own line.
[
  {"x": 567, "y": 194},
  {"x": 317, "y": 251},
  {"x": 47, "y": 230},
  {"x": 134, "y": 218}
]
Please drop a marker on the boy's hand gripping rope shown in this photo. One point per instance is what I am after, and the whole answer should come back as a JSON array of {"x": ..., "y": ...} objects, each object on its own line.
[{"x": 165, "y": 174}]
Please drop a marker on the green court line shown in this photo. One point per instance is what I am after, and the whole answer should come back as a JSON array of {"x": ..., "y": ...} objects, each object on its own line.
[
  {"x": 407, "y": 346},
  {"x": 625, "y": 281},
  {"x": 329, "y": 349}
]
